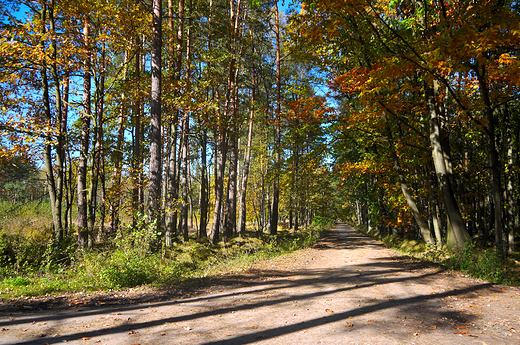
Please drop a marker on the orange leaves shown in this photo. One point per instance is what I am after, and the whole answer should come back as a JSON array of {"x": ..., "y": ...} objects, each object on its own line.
[
  {"x": 309, "y": 110},
  {"x": 352, "y": 82}
]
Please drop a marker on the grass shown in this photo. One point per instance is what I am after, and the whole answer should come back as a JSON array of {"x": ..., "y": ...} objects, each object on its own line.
[
  {"x": 475, "y": 261},
  {"x": 25, "y": 218},
  {"x": 131, "y": 262}
]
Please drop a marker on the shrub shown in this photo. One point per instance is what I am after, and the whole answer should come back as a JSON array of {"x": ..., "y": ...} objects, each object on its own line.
[{"x": 480, "y": 263}]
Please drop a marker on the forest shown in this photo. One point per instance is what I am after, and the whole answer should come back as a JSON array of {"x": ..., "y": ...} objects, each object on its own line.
[{"x": 146, "y": 124}]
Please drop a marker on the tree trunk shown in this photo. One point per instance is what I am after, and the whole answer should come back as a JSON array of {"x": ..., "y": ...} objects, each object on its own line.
[
  {"x": 183, "y": 206},
  {"x": 97, "y": 173},
  {"x": 204, "y": 188},
  {"x": 115, "y": 195},
  {"x": 67, "y": 171},
  {"x": 219, "y": 184},
  {"x": 273, "y": 228},
  {"x": 230, "y": 223},
  {"x": 410, "y": 200},
  {"x": 493, "y": 161},
  {"x": 510, "y": 195},
  {"x": 85, "y": 116},
  {"x": 62, "y": 128},
  {"x": 435, "y": 213},
  {"x": 155, "y": 168},
  {"x": 247, "y": 157},
  {"x": 51, "y": 182},
  {"x": 457, "y": 225}
]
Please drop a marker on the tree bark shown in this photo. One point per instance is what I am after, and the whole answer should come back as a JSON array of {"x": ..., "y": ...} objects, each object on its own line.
[
  {"x": 204, "y": 187},
  {"x": 219, "y": 184},
  {"x": 493, "y": 160},
  {"x": 85, "y": 116},
  {"x": 155, "y": 168},
  {"x": 60, "y": 146},
  {"x": 247, "y": 157},
  {"x": 49, "y": 171},
  {"x": 115, "y": 195},
  {"x": 137, "y": 154},
  {"x": 273, "y": 228},
  {"x": 410, "y": 200},
  {"x": 458, "y": 228}
]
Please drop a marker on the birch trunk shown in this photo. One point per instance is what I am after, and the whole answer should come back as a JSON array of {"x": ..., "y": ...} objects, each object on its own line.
[{"x": 155, "y": 168}]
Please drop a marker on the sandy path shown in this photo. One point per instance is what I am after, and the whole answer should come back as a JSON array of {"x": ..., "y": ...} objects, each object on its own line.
[{"x": 348, "y": 289}]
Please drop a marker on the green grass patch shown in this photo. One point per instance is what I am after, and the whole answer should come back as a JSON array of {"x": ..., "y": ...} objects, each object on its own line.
[
  {"x": 482, "y": 263},
  {"x": 25, "y": 219},
  {"x": 135, "y": 259}
]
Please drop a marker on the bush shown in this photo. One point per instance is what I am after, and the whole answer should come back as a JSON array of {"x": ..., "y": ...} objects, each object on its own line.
[
  {"x": 322, "y": 220},
  {"x": 24, "y": 253},
  {"x": 480, "y": 263},
  {"x": 135, "y": 258}
]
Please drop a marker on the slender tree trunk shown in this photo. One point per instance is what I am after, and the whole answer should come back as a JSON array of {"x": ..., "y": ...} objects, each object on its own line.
[
  {"x": 115, "y": 195},
  {"x": 247, "y": 157},
  {"x": 230, "y": 223},
  {"x": 97, "y": 171},
  {"x": 137, "y": 153},
  {"x": 204, "y": 184},
  {"x": 435, "y": 212},
  {"x": 510, "y": 190},
  {"x": 273, "y": 228},
  {"x": 493, "y": 161},
  {"x": 204, "y": 199},
  {"x": 85, "y": 117},
  {"x": 101, "y": 164},
  {"x": 219, "y": 184},
  {"x": 155, "y": 168},
  {"x": 423, "y": 226},
  {"x": 60, "y": 146},
  {"x": 67, "y": 169},
  {"x": 185, "y": 137},
  {"x": 51, "y": 181},
  {"x": 175, "y": 64},
  {"x": 224, "y": 135},
  {"x": 183, "y": 206},
  {"x": 232, "y": 96}
]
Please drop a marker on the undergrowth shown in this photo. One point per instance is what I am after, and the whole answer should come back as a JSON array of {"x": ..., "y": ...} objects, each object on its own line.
[
  {"x": 475, "y": 261},
  {"x": 134, "y": 258}
]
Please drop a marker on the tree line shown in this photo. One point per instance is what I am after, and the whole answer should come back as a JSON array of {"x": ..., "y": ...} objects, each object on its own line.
[
  {"x": 193, "y": 114},
  {"x": 428, "y": 131},
  {"x": 209, "y": 115}
]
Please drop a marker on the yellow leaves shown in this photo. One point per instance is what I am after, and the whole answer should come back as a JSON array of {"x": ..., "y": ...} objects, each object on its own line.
[
  {"x": 349, "y": 169},
  {"x": 506, "y": 59}
]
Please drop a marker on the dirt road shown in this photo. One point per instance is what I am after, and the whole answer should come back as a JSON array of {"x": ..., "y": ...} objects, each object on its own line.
[{"x": 348, "y": 289}]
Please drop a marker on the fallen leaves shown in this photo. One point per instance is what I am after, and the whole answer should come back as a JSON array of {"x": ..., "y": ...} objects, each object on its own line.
[{"x": 466, "y": 334}]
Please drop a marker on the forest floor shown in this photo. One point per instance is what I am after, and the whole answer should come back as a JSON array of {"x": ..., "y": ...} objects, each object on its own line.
[{"x": 347, "y": 289}]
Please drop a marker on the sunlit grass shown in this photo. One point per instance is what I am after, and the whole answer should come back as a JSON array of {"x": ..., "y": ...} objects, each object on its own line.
[
  {"x": 130, "y": 264},
  {"x": 475, "y": 261}
]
